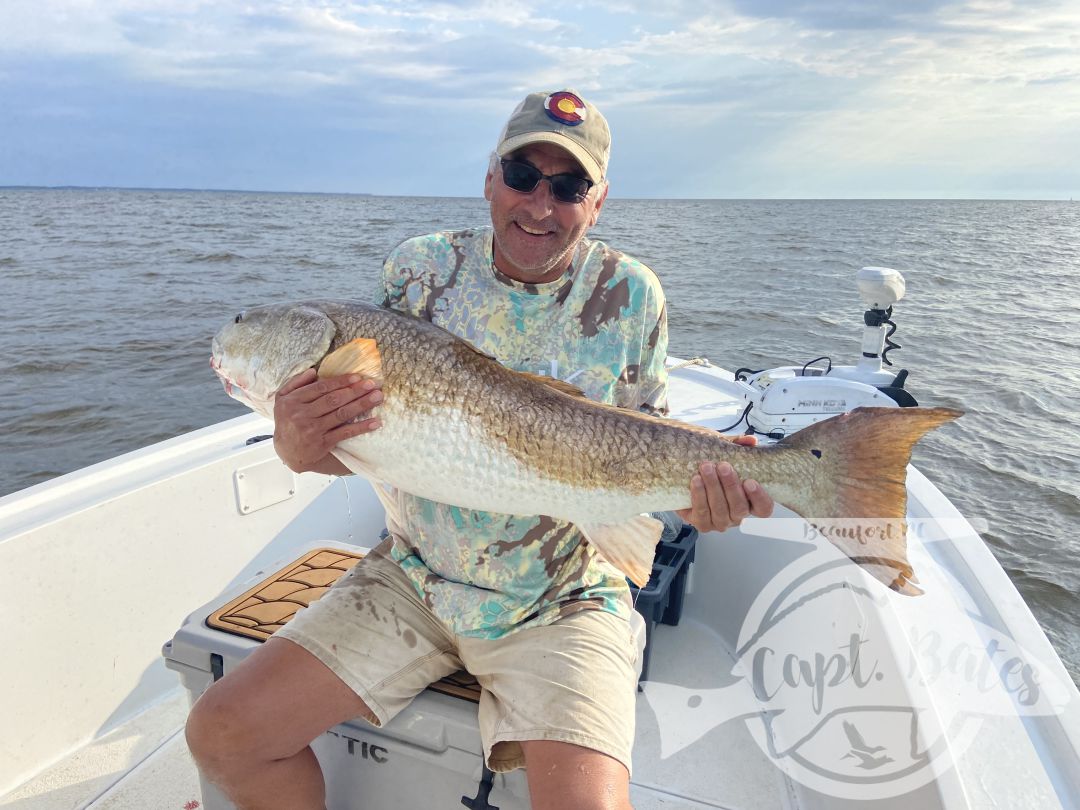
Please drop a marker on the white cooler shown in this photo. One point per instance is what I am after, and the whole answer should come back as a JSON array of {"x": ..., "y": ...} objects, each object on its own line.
[{"x": 429, "y": 756}]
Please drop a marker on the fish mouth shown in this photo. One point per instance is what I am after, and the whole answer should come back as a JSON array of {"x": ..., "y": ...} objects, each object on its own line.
[
  {"x": 233, "y": 389},
  {"x": 240, "y": 389},
  {"x": 237, "y": 389}
]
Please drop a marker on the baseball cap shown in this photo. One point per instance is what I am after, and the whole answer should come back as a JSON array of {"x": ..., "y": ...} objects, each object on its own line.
[{"x": 565, "y": 119}]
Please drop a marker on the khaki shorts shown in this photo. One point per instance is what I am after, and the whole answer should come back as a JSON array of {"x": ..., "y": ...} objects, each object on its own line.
[{"x": 572, "y": 681}]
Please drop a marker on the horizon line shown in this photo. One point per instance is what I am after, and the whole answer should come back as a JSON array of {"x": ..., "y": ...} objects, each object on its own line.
[{"x": 185, "y": 189}]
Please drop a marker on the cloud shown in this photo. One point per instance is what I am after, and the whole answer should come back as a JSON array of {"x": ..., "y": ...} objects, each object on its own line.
[
  {"x": 995, "y": 92},
  {"x": 783, "y": 94},
  {"x": 840, "y": 15},
  {"x": 511, "y": 13},
  {"x": 190, "y": 42}
]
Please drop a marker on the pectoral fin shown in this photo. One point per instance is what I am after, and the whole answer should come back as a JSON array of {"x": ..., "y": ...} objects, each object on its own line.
[
  {"x": 360, "y": 356},
  {"x": 629, "y": 546}
]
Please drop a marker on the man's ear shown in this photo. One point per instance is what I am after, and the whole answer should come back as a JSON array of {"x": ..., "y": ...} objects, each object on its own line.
[
  {"x": 488, "y": 185},
  {"x": 600, "y": 197}
]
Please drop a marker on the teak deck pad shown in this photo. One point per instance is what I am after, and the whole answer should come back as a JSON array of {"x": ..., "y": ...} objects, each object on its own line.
[{"x": 259, "y": 612}]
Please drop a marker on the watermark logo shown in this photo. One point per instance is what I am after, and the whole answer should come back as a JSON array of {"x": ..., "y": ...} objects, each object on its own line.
[{"x": 856, "y": 691}]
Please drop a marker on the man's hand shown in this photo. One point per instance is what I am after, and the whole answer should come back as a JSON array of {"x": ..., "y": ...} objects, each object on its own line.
[
  {"x": 311, "y": 416},
  {"x": 719, "y": 500}
]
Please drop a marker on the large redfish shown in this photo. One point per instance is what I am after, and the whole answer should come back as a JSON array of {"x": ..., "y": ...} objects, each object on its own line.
[{"x": 459, "y": 428}]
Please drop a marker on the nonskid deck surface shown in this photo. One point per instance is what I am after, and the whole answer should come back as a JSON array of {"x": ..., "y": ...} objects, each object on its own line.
[
  {"x": 145, "y": 762},
  {"x": 725, "y": 767},
  {"x": 141, "y": 764}
]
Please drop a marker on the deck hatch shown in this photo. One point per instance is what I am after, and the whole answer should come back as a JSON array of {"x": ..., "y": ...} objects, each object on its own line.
[{"x": 263, "y": 484}]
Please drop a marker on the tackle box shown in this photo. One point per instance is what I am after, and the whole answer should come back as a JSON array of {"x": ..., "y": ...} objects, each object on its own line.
[
  {"x": 429, "y": 755},
  {"x": 661, "y": 600}
]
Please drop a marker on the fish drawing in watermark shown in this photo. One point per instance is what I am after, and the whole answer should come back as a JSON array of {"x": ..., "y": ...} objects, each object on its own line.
[{"x": 858, "y": 693}]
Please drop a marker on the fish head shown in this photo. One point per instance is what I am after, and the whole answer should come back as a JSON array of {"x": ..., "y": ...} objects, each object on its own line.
[{"x": 263, "y": 347}]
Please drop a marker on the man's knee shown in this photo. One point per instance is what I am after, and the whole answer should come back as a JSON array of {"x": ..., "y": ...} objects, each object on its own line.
[
  {"x": 218, "y": 732},
  {"x": 564, "y": 775},
  {"x": 268, "y": 709}
]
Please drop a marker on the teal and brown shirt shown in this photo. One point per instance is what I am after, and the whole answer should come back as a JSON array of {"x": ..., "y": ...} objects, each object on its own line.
[{"x": 602, "y": 327}]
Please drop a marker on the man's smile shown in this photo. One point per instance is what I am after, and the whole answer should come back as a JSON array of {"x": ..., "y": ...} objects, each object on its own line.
[{"x": 533, "y": 231}]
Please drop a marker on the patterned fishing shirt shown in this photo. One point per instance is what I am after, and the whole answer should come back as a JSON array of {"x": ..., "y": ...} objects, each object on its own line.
[{"x": 602, "y": 327}]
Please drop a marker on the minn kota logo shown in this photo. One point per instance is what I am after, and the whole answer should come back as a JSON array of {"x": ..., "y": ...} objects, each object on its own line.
[{"x": 853, "y": 690}]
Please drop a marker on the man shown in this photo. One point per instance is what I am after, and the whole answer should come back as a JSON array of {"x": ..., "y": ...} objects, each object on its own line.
[{"x": 521, "y": 601}]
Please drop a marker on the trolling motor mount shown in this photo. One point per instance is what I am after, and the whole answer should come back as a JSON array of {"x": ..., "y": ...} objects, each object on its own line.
[{"x": 785, "y": 399}]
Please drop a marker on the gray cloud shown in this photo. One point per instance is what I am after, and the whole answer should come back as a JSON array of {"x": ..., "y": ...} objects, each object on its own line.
[
  {"x": 840, "y": 15},
  {"x": 768, "y": 90}
]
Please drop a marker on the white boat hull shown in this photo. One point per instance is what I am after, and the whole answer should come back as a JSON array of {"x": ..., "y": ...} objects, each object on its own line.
[{"x": 99, "y": 568}]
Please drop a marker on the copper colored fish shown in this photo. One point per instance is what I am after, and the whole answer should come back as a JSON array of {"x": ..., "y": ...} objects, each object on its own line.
[{"x": 459, "y": 428}]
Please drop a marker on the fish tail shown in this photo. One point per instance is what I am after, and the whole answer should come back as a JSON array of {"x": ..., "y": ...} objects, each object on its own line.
[{"x": 860, "y": 502}]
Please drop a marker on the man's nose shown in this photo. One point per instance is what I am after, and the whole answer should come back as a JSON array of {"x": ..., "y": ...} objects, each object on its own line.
[{"x": 539, "y": 202}]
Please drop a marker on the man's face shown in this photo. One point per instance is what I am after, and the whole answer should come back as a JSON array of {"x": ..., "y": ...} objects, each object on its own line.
[{"x": 535, "y": 234}]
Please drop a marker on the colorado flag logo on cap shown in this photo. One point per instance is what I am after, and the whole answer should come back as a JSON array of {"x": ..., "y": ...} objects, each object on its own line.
[{"x": 566, "y": 108}]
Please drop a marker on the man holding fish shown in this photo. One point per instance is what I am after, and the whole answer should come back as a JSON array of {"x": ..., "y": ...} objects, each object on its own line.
[{"x": 523, "y": 601}]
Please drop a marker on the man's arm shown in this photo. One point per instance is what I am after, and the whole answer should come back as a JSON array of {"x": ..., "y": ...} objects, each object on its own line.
[{"x": 311, "y": 416}]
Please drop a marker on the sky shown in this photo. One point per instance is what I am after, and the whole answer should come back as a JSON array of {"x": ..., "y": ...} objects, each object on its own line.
[{"x": 706, "y": 98}]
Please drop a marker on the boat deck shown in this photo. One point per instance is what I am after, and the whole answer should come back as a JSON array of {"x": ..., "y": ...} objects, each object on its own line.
[
  {"x": 144, "y": 763},
  {"x": 92, "y": 718}
]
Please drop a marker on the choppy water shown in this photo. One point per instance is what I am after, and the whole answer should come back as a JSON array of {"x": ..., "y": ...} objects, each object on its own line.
[{"x": 110, "y": 299}]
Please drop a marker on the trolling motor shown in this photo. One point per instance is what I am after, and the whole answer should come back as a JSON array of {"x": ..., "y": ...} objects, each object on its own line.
[{"x": 783, "y": 400}]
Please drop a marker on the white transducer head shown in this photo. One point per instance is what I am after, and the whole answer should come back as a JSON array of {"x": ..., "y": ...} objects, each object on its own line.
[{"x": 880, "y": 287}]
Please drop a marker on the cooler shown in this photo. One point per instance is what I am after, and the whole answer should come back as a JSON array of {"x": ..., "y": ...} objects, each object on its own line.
[{"x": 429, "y": 756}]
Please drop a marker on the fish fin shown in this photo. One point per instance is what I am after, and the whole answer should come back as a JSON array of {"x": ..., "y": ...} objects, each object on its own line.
[
  {"x": 552, "y": 382},
  {"x": 629, "y": 546},
  {"x": 360, "y": 356},
  {"x": 862, "y": 508}
]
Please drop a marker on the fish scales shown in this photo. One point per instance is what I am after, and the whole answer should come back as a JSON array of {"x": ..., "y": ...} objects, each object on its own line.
[
  {"x": 569, "y": 440},
  {"x": 459, "y": 428}
]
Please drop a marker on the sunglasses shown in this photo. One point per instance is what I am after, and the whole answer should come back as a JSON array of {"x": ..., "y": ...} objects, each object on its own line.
[{"x": 523, "y": 177}]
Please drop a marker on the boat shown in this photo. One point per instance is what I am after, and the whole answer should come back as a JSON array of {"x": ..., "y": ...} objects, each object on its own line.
[{"x": 779, "y": 675}]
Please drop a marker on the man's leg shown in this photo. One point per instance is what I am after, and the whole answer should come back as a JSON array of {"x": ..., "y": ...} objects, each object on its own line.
[
  {"x": 560, "y": 700},
  {"x": 365, "y": 649},
  {"x": 250, "y": 731},
  {"x": 563, "y": 776}
]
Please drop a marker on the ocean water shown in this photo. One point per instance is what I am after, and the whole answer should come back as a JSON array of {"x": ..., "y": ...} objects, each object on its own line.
[{"x": 110, "y": 298}]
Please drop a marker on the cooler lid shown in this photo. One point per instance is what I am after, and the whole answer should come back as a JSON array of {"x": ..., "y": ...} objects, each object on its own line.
[{"x": 258, "y": 612}]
